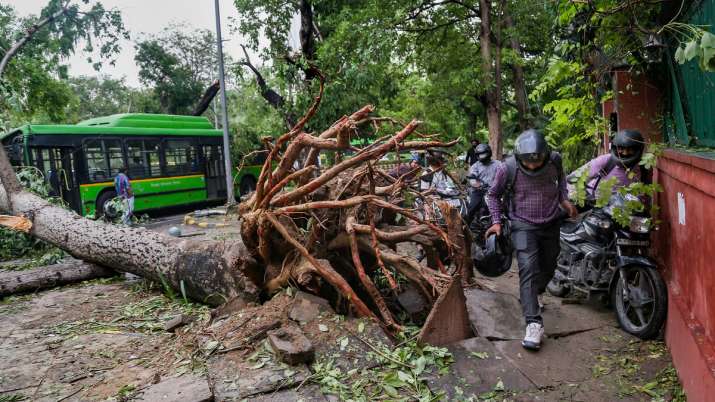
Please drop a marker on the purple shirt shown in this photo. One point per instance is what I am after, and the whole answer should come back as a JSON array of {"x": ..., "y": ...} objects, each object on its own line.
[
  {"x": 536, "y": 199},
  {"x": 618, "y": 171}
]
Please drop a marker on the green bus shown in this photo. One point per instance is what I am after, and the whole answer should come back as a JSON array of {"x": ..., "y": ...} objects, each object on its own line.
[{"x": 171, "y": 160}]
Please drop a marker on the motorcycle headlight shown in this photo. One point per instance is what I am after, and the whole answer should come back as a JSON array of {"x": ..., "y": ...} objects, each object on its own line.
[
  {"x": 639, "y": 224},
  {"x": 599, "y": 222}
]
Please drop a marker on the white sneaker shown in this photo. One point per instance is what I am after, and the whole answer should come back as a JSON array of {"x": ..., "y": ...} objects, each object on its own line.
[{"x": 532, "y": 339}]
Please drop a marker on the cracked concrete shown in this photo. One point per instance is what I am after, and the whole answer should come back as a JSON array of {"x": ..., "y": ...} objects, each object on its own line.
[{"x": 579, "y": 337}]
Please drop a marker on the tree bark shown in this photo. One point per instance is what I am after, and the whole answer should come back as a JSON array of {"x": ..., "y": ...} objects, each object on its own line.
[
  {"x": 522, "y": 101},
  {"x": 205, "y": 101},
  {"x": 32, "y": 280},
  {"x": 273, "y": 98},
  {"x": 211, "y": 272},
  {"x": 491, "y": 97}
]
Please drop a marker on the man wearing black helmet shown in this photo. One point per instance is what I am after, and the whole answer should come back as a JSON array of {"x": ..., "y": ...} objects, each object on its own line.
[
  {"x": 622, "y": 163},
  {"x": 532, "y": 185},
  {"x": 472, "y": 152},
  {"x": 481, "y": 175}
]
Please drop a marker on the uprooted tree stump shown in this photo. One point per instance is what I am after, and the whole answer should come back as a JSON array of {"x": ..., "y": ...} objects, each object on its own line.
[{"x": 324, "y": 234}]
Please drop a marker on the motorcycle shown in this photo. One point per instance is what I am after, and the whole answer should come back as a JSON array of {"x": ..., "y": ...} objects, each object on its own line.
[{"x": 600, "y": 257}]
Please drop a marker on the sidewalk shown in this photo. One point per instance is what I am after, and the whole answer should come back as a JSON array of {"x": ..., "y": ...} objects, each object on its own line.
[{"x": 585, "y": 356}]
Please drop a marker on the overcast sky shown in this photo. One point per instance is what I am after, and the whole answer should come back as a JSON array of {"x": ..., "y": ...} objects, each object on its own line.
[{"x": 151, "y": 16}]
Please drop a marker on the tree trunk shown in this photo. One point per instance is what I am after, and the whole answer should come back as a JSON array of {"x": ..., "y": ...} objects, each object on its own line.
[
  {"x": 522, "y": 101},
  {"x": 32, "y": 280},
  {"x": 491, "y": 97},
  {"x": 210, "y": 271}
]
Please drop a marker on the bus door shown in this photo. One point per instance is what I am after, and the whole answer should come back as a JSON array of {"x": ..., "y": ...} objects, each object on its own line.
[
  {"x": 58, "y": 165},
  {"x": 214, "y": 171}
]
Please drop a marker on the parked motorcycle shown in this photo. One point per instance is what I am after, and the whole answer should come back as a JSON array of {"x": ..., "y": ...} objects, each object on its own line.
[{"x": 600, "y": 257}]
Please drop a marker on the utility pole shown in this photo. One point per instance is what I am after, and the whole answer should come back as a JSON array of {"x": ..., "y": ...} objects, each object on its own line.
[{"x": 230, "y": 198}]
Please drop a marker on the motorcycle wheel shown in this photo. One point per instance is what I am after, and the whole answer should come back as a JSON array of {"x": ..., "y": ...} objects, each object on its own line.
[{"x": 641, "y": 308}]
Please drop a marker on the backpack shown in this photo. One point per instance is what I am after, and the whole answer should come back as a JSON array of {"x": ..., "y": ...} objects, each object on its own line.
[{"x": 511, "y": 168}]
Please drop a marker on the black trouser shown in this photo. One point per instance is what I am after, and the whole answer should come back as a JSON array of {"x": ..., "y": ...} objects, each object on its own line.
[
  {"x": 537, "y": 249},
  {"x": 476, "y": 204}
]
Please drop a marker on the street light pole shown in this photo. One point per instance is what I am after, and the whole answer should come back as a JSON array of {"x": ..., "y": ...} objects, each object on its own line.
[{"x": 230, "y": 198}]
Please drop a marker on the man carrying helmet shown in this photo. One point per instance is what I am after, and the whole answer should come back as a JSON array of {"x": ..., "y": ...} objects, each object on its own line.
[
  {"x": 481, "y": 176},
  {"x": 532, "y": 184},
  {"x": 622, "y": 163}
]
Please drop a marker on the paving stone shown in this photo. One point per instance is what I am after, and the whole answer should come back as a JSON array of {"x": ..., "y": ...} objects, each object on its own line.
[
  {"x": 187, "y": 388},
  {"x": 307, "y": 307},
  {"x": 567, "y": 359},
  {"x": 494, "y": 315},
  {"x": 233, "y": 378},
  {"x": 497, "y": 316},
  {"x": 477, "y": 368},
  {"x": 291, "y": 345},
  {"x": 305, "y": 393}
]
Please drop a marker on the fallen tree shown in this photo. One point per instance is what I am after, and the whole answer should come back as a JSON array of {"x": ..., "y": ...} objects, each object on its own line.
[
  {"x": 324, "y": 235},
  {"x": 49, "y": 276}
]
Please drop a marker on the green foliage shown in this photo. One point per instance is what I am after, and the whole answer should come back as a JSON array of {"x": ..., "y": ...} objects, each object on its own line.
[
  {"x": 33, "y": 87},
  {"x": 98, "y": 96},
  {"x": 695, "y": 42},
  {"x": 178, "y": 66},
  {"x": 14, "y": 244},
  {"x": 400, "y": 373},
  {"x": 569, "y": 101},
  {"x": 12, "y": 398},
  {"x": 415, "y": 61}
]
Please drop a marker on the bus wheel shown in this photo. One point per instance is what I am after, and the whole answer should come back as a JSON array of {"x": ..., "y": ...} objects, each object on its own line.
[
  {"x": 248, "y": 185},
  {"x": 102, "y": 201}
]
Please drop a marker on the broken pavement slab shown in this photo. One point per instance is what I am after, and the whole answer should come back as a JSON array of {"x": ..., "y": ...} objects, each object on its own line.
[
  {"x": 308, "y": 392},
  {"x": 494, "y": 315},
  {"x": 307, "y": 307},
  {"x": 478, "y": 367},
  {"x": 233, "y": 378},
  {"x": 497, "y": 316},
  {"x": 290, "y": 345},
  {"x": 186, "y": 388}
]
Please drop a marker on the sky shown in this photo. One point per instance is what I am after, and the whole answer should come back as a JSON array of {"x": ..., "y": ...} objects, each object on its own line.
[{"x": 150, "y": 17}]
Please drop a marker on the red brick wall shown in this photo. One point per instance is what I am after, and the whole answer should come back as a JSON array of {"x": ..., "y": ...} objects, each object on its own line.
[
  {"x": 637, "y": 103},
  {"x": 685, "y": 249}
]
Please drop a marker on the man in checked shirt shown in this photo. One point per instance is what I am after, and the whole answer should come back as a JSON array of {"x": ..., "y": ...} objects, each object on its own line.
[{"x": 535, "y": 198}]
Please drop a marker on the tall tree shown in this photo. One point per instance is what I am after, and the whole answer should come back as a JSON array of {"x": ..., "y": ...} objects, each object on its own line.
[
  {"x": 33, "y": 87},
  {"x": 178, "y": 66},
  {"x": 98, "y": 96}
]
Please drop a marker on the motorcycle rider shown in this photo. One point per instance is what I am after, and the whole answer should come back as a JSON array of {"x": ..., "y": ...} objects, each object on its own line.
[
  {"x": 481, "y": 174},
  {"x": 436, "y": 178},
  {"x": 622, "y": 163},
  {"x": 472, "y": 157},
  {"x": 534, "y": 189}
]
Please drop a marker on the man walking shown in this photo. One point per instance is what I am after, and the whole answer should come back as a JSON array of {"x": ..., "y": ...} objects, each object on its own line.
[
  {"x": 532, "y": 184},
  {"x": 123, "y": 187}
]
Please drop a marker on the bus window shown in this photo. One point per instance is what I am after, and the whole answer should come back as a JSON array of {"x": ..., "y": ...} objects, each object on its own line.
[
  {"x": 96, "y": 161},
  {"x": 114, "y": 155},
  {"x": 180, "y": 157},
  {"x": 143, "y": 158}
]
